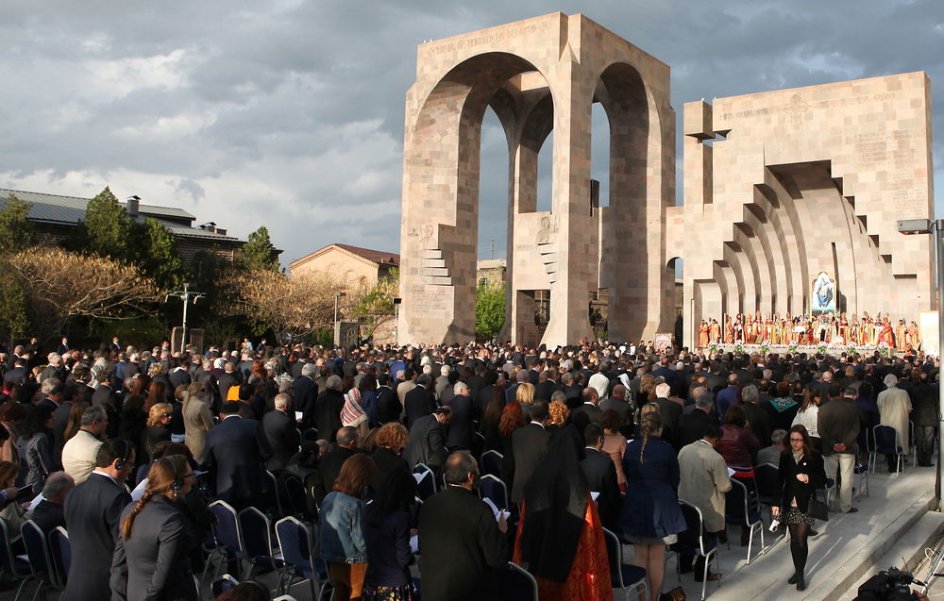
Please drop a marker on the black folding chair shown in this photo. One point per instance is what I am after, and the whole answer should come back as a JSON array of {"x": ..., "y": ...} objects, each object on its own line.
[
  {"x": 491, "y": 463},
  {"x": 256, "y": 531},
  {"x": 887, "y": 443},
  {"x": 297, "y": 543},
  {"x": 692, "y": 541},
  {"x": 742, "y": 508},
  {"x": 625, "y": 577},
  {"x": 60, "y": 550},
  {"x": 40, "y": 562}
]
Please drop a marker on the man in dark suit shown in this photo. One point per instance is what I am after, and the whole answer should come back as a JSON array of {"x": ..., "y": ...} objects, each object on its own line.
[
  {"x": 92, "y": 512},
  {"x": 571, "y": 390},
  {"x": 427, "y": 443},
  {"x": 52, "y": 394},
  {"x": 463, "y": 545},
  {"x": 389, "y": 407},
  {"x": 600, "y": 471},
  {"x": 329, "y": 465},
  {"x": 534, "y": 371},
  {"x": 17, "y": 373},
  {"x": 306, "y": 391},
  {"x": 668, "y": 374},
  {"x": 528, "y": 447},
  {"x": 547, "y": 385},
  {"x": 105, "y": 397},
  {"x": 671, "y": 412},
  {"x": 60, "y": 417},
  {"x": 419, "y": 401},
  {"x": 179, "y": 376},
  {"x": 229, "y": 379},
  {"x": 280, "y": 430},
  {"x": 717, "y": 378},
  {"x": 521, "y": 376},
  {"x": 756, "y": 415},
  {"x": 325, "y": 414},
  {"x": 588, "y": 412},
  {"x": 726, "y": 397},
  {"x": 459, "y": 433},
  {"x": 617, "y": 402},
  {"x": 236, "y": 453},
  {"x": 208, "y": 380},
  {"x": 692, "y": 425},
  {"x": 50, "y": 512}
]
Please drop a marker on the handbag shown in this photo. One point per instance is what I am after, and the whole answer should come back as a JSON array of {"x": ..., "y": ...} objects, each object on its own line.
[
  {"x": 817, "y": 509},
  {"x": 676, "y": 594}
]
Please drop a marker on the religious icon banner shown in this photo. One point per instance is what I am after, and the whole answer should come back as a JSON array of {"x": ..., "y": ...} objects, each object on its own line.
[{"x": 823, "y": 294}]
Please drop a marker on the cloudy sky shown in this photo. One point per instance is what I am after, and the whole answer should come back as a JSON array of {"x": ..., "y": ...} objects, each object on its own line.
[{"x": 289, "y": 113}]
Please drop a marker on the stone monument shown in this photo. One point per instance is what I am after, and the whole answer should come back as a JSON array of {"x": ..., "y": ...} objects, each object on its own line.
[{"x": 779, "y": 186}]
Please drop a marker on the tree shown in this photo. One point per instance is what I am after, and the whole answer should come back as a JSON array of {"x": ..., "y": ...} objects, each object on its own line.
[
  {"x": 158, "y": 257},
  {"x": 16, "y": 230},
  {"x": 60, "y": 285},
  {"x": 376, "y": 304},
  {"x": 14, "y": 310},
  {"x": 258, "y": 252},
  {"x": 489, "y": 309},
  {"x": 107, "y": 230},
  {"x": 300, "y": 305}
]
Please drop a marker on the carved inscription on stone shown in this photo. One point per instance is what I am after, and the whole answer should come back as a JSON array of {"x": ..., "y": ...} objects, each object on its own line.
[{"x": 431, "y": 301}]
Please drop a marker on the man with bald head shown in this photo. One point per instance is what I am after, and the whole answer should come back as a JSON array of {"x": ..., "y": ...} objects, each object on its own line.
[{"x": 280, "y": 430}]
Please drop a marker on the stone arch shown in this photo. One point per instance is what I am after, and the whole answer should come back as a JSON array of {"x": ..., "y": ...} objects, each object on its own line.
[{"x": 540, "y": 75}]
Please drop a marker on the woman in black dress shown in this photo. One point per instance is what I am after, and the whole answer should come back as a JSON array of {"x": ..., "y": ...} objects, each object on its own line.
[{"x": 801, "y": 473}]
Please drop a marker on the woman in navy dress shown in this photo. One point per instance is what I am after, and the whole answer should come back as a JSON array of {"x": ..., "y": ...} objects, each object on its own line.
[{"x": 651, "y": 517}]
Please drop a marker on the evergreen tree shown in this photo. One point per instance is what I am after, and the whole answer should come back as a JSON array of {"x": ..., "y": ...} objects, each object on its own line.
[
  {"x": 158, "y": 256},
  {"x": 16, "y": 230},
  {"x": 258, "y": 252},
  {"x": 107, "y": 230}
]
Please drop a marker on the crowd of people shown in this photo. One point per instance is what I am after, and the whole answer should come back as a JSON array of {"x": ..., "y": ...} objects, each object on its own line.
[
  {"x": 125, "y": 448},
  {"x": 829, "y": 328}
]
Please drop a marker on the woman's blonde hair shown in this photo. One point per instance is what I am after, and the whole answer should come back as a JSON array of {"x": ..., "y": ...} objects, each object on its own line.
[
  {"x": 525, "y": 393},
  {"x": 157, "y": 412}
]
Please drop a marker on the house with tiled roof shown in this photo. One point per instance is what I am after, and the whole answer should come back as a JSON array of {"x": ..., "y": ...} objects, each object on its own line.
[
  {"x": 354, "y": 265},
  {"x": 55, "y": 216}
]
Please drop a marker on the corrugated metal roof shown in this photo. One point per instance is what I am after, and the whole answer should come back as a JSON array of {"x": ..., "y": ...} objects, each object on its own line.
[
  {"x": 56, "y": 208},
  {"x": 192, "y": 232}
]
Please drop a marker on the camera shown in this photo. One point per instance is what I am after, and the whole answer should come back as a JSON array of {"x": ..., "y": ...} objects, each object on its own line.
[{"x": 891, "y": 585}]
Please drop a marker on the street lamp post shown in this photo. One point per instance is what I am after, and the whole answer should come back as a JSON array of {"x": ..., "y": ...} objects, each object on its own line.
[
  {"x": 186, "y": 295},
  {"x": 337, "y": 333},
  {"x": 337, "y": 297},
  {"x": 936, "y": 229}
]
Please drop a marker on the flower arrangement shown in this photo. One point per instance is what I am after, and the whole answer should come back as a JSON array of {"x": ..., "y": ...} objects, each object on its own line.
[
  {"x": 764, "y": 347},
  {"x": 821, "y": 349},
  {"x": 713, "y": 348},
  {"x": 793, "y": 348},
  {"x": 884, "y": 350},
  {"x": 739, "y": 349},
  {"x": 852, "y": 350}
]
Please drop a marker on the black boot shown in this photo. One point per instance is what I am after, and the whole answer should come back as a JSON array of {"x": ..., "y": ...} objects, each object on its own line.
[{"x": 801, "y": 583}]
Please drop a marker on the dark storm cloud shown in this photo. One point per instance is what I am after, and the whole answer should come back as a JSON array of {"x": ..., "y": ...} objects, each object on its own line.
[{"x": 289, "y": 113}]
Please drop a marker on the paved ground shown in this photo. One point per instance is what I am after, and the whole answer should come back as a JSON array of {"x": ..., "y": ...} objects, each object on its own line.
[{"x": 849, "y": 548}]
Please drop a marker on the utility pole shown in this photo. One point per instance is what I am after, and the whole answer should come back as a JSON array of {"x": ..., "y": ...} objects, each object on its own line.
[{"x": 186, "y": 295}]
